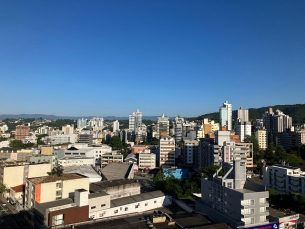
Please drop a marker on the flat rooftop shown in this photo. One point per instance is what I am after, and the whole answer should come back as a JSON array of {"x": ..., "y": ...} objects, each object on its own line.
[
  {"x": 57, "y": 203},
  {"x": 102, "y": 185},
  {"x": 53, "y": 178},
  {"x": 97, "y": 194}
]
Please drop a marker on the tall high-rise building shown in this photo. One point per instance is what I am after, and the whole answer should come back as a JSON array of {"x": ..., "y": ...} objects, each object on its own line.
[
  {"x": 81, "y": 123},
  {"x": 243, "y": 115},
  {"x": 116, "y": 126},
  {"x": 96, "y": 122},
  {"x": 135, "y": 125},
  {"x": 225, "y": 115},
  {"x": 261, "y": 136},
  {"x": 167, "y": 151},
  {"x": 268, "y": 119},
  {"x": 163, "y": 126},
  {"x": 282, "y": 122},
  {"x": 178, "y": 128},
  {"x": 68, "y": 129}
]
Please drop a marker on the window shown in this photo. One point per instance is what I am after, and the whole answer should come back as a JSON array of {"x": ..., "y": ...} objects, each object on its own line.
[
  {"x": 262, "y": 200},
  {"x": 229, "y": 185},
  {"x": 146, "y": 204},
  {"x": 262, "y": 218},
  {"x": 58, "y": 185},
  {"x": 262, "y": 209},
  {"x": 126, "y": 209},
  {"x": 155, "y": 201},
  {"x": 103, "y": 205},
  {"x": 116, "y": 211},
  {"x": 136, "y": 206},
  {"x": 58, "y": 193},
  {"x": 93, "y": 207}
]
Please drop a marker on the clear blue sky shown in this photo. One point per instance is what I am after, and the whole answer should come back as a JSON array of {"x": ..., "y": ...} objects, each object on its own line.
[{"x": 174, "y": 57}]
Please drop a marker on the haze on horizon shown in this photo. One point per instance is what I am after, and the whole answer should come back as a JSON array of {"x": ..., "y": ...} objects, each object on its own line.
[{"x": 110, "y": 58}]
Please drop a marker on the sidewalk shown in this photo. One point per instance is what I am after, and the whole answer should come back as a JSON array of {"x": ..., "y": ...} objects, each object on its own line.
[{"x": 8, "y": 205}]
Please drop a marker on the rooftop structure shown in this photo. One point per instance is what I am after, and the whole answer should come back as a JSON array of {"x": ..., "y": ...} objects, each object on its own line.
[
  {"x": 114, "y": 171},
  {"x": 53, "y": 178}
]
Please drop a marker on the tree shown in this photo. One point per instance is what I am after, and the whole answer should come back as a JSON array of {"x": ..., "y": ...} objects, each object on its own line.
[
  {"x": 269, "y": 154},
  {"x": 58, "y": 170},
  {"x": 16, "y": 144},
  {"x": 3, "y": 189},
  {"x": 116, "y": 142}
]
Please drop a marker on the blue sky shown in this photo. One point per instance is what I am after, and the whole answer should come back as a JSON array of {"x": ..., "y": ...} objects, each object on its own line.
[{"x": 175, "y": 57}]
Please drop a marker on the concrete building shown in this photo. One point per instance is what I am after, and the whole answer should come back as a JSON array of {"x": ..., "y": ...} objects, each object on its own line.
[
  {"x": 243, "y": 129},
  {"x": 40, "y": 158},
  {"x": 68, "y": 129},
  {"x": 209, "y": 153},
  {"x": 22, "y": 132},
  {"x": 117, "y": 188},
  {"x": 115, "y": 156},
  {"x": 233, "y": 199},
  {"x": 135, "y": 125},
  {"x": 167, "y": 151},
  {"x": 96, "y": 123},
  {"x": 116, "y": 126},
  {"x": 232, "y": 151},
  {"x": 76, "y": 161},
  {"x": 118, "y": 170},
  {"x": 243, "y": 115},
  {"x": 221, "y": 137},
  {"x": 179, "y": 121},
  {"x": 138, "y": 148},
  {"x": 163, "y": 126},
  {"x": 81, "y": 123},
  {"x": 147, "y": 160},
  {"x": 61, "y": 139},
  {"x": 284, "y": 179},
  {"x": 49, "y": 188},
  {"x": 261, "y": 136},
  {"x": 85, "y": 138},
  {"x": 189, "y": 151},
  {"x": 225, "y": 112},
  {"x": 249, "y": 154},
  {"x": 14, "y": 174},
  {"x": 134, "y": 204},
  {"x": 282, "y": 122}
]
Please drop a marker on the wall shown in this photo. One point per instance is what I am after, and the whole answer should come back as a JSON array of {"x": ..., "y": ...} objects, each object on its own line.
[
  {"x": 69, "y": 186},
  {"x": 123, "y": 190},
  {"x": 97, "y": 202},
  {"x": 71, "y": 215},
  {"x": 48, "y": 192},
  {"x": 131, "y": 208},
  {"x": 13, "y": 176},
  {"x": 39, "y": 170}
]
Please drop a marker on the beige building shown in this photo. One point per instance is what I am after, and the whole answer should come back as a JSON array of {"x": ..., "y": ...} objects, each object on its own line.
[
  {"x": 13, "y": 174},
  {"x": 46, "y": 150},
  {"x": 261, "y": 136},
  {"x": 147, "y": 159},
  {"x": 167, "y": 151},
  {"x": 50, "y": 188}
]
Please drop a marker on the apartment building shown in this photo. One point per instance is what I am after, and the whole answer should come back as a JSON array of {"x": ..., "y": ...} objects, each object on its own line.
[
  {"x": 49, "y": 188},
  {"x": 189, "y": 151},
  {"x": 284, "y": 179},
  {"x": 115, "y": 156},
  {"x": 163, "y": 126},
  {"x": 262, "y": 138},
  {"x": 233, "y": 199},
  {"x": 167, "y": 151},
  {"x": 22, "y": 132},
  {"x": 249, "y": 153},
  {"x": 147, "y": 160}
]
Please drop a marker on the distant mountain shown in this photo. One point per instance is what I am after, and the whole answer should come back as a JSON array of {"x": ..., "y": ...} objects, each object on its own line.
[
  {"x": 54, "y": 117},
  {"x": 296, "y": 111}
]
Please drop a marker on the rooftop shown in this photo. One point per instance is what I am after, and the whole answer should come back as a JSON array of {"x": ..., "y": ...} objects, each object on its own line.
[
  {"x": 85, "y": 170},
  {"x": 54, "y": 178},
  {"x": 115, "y": 171},
  {"x": 102, "y": 185},
  {"x": 136, "y": 198},
  {"x": 57, "y": 203},
  {"x": 97, "y": 194}
]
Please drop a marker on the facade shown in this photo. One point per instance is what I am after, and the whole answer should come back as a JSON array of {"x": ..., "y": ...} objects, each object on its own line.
[
  {"x": 22, "y": 132},
  {"x": 96, "y": 123},
  {"x": 262, "y": 138},
  {"x": 13, "y": 175},
  {"x": 249, "y": 153},
  {"x": 135, "y": 125},
  {"x": 167, "y": 151},
  {"x": 225, "y": 112},
  {"x": 232, "y": 150},
  {"x": 138, "y": 148},
  {"x": 40, "y": 158},
  {"x": 76, "y": 161},
  {"x": 68, "y": 129},
  {"x": 209, "y": 153},
  {"x": 85, "y": 138},
  {"x": 243, "y": 129},
  {"x": 147, "y": 160},
  {"x": 115, "y": 156},
  {"x": 116, "y": 126},
  {"x": 243, "y": 115},
  {"x": 50, "y": 188},
  {"x": 284, "y": 179},
  {"x": 282, "y": 122},
  {"x": 163, "y": 126},
  {"x": 81, "y": 123},
  {"x": 61, "y": 139},
  {"x": 189, "y": 151},
  {"x": 179, "y": 128},
  {"x": 233, "y": 199},
  {"x": 134, "y": 204}
]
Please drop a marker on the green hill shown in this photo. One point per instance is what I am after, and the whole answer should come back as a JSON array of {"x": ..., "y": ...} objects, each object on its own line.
[{"x": 296, "y": 111}]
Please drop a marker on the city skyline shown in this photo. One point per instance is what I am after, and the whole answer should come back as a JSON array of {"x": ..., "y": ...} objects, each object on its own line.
[{"x": 177, "y": 58}]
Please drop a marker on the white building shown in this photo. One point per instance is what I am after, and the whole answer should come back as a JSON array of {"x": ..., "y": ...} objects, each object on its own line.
[
  {"x": 76, "y": 161},
  {"x": 96, "y": 122},
  {"x": 243, "y": 129},
  {"x": 167, "y": 151},
  {"x": 61, "y": 139},
  {"x": 284, "y": 179},
  {"x": 3, "y": 128},
  {"x": 135, "y": 125},
  {"x": 179, "y": 128},
  {"x": 116, "y": 126},
  {"x": 225, "y": 113},
  {"x": 81, "y": 123},
  {"x": 163, "y": 126},
  {"x": 147, "y": 159},
  {"x": 243, "y": 115}
]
